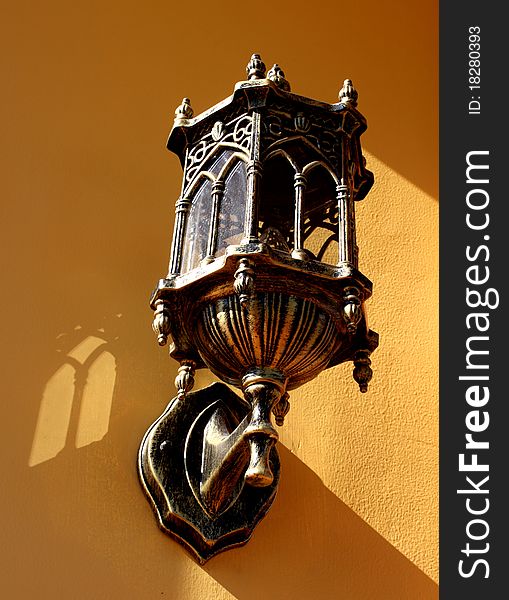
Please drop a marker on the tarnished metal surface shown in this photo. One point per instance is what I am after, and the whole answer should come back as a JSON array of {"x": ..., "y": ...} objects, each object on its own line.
[
  {"x": 204, "y": 521},
  {"x": 263, "y": 289}
]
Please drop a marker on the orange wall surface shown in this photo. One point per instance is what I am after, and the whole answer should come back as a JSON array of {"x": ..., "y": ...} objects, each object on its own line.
[{"x": 88, "y": 95}]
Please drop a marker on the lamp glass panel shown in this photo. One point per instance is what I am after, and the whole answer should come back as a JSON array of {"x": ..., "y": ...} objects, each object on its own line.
[
  {"x": 219, "y": 162},
  {"x": 197, "y": 230},
  {"x": 232, "y": 208}
]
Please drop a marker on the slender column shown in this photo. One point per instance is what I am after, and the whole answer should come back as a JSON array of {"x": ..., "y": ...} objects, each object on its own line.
[
  {"x": 182, "y": 207},
  {"x": 300, "y": 183},
  {"x": 345, "y": 254},
  {"x": 347, "y": 250},
  {"x": 254, "y": 173},
  {"x": 217, "y": 194}
]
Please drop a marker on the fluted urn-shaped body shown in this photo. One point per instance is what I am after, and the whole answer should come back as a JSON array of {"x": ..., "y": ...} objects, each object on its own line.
[
  {"x": 282, "y": 332},
  {"x": 263, "y": 289}
]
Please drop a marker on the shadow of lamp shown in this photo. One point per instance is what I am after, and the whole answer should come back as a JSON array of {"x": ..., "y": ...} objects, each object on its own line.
[{"x": 263, "y": 289}]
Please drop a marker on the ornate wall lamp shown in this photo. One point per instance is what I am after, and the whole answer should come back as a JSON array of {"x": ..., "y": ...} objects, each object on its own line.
[{"x": 263, "y": 289}]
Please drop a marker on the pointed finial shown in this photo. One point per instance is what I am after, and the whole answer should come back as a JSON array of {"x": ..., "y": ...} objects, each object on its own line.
[
  {"x": 184, "y": 111},
  {"x": 255, "y": 68},
  {"x": 278, "y": 77},
  {"x": 348, "y": 94},
  {"x": 281, "y": 409}
]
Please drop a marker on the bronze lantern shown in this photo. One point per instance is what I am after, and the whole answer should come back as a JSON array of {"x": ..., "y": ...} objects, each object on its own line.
[{"x": 263, "y": 289}]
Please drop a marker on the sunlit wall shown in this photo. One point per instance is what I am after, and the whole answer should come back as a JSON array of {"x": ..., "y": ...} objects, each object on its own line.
[{"x": 89, "y": 90}]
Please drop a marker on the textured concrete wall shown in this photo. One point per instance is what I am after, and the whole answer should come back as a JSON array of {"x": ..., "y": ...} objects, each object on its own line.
[
  {"x": 378, "y": 451},
  {"x": 89, "y": 92}
]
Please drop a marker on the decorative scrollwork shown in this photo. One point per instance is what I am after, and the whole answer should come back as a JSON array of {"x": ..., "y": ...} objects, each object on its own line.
[
  {"x": 320, "y": 122},
  {"x": 329, "y": 144},
  {"x": 274, "y": 125},
  {"x": 302, "y": 122},
  {"x": 235, "y": 134},
  {"x": 242, "y": 130},
  {"x": 198, "y": 153},
  {"x": 217, "y": 131},
  {"x": 244, "y": 281},
  {"x": 202, "y": 131},
  {"x": 277, "y": 126}
]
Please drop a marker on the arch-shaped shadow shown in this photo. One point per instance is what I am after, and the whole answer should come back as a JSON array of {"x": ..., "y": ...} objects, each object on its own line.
[
  {"x": 77, "y": 398},
  {"x": 309, "y": 531}
]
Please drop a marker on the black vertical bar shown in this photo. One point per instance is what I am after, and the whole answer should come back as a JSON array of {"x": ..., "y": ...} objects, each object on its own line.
[{"x": 474, "y": 533}]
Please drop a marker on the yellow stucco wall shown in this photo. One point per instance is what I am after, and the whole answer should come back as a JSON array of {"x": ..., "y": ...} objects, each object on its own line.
[{"x": 89, "y": 94}]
